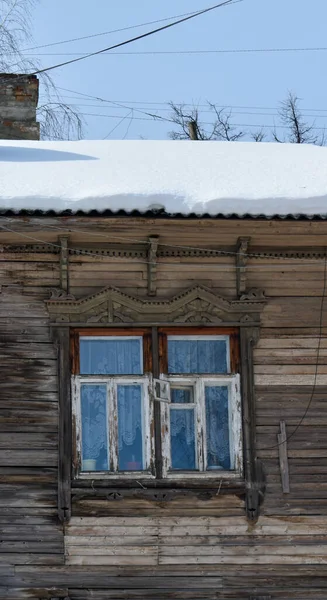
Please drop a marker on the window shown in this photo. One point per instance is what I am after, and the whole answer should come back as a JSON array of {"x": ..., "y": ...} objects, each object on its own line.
[{"x": 198, "y": 391}]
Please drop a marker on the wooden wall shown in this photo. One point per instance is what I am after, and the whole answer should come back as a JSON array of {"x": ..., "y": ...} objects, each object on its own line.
[{"x": 186, "y": 548}]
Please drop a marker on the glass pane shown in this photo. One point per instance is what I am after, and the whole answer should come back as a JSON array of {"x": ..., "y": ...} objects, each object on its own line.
[
  {"x": 181, "y": 395},
  {"x": 111, "y": 356},
  {"x": 197, "y": 356},
  {"x": 94, "y": 428},
  {"x": 182, "y": 439},
  {"x": 217, "y": 424},
  {"x": 130, "y": 428}
]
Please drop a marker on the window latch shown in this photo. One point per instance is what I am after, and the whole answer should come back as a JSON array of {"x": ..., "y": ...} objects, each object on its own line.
[{"x": 161, "y": 390}]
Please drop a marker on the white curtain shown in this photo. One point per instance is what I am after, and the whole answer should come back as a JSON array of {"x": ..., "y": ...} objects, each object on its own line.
[
  {"x": 94, "y": 424},
  {"x": 197, "y": 356},
  {"x": 111, "y": 356},
  {"x": 217, "y": 426}
]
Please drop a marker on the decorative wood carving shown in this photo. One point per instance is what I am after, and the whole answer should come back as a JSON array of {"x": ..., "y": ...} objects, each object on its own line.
[
  {"x": 241, "y": 260},
  {"x": 58, "y": 293},
  {"x": 197, "y": 305},
  {"x": 64, "y": 255},
  {"x": 152, "y": 265},
  {"x": 253, "y": 294},
  {"x": 141, "y": 251}
]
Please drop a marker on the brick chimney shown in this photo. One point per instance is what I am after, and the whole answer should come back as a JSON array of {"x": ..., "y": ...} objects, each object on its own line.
[{"x": 19, "y": 96}]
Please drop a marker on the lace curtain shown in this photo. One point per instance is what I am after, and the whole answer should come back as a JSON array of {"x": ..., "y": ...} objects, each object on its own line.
[
  {"x": 182, "y": 438},
  {"x": 130, "y": 434},
  {"x": 111, "y": 356},
  {"x": 217, "y": 426},
  {"x": 94, "y": 427},
  {"x": 197, "y": 356}
]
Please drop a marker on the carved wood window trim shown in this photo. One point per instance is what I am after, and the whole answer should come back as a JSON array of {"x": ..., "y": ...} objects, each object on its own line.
[{"x": 196, "y": 307}]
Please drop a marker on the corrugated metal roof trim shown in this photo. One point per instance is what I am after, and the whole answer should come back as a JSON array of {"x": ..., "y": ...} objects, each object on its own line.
[{"x": 160, "y": 214}]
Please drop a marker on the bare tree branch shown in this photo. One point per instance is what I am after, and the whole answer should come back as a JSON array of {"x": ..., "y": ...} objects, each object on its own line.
[
  {"x": 298, "y": 130},
  {"x": 258, "y": 136},
  {"x": 57, "y": 119},
  {"x": 221, "y": 127}
]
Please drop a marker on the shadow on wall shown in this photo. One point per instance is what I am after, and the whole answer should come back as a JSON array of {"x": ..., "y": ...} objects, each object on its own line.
[{"x": 21, "y": 154}]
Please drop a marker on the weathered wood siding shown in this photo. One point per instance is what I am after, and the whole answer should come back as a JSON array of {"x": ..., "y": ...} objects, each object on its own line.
[{"x": 185, "y": 548}]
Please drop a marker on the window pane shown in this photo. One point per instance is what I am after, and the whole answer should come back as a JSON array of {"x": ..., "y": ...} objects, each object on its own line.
[
  {"x": 197, "y": 356},
  {"x": 182, "y": 439},
  {"x": 217, "y": 425},
  {"x": 181, "y": 395},
  {"x": 111, "y": 356},
  {"x": 130, "y": 428},
  {"x": 94, "y": 428}
]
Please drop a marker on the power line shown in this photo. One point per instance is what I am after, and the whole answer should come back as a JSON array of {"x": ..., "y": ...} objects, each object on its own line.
[
  {"x": 154, "y": 117},
  {"x": 123, "y": 104},
  {"x": 157, "y": 117},
  {"x": 116, "y": 126},
  {"x": 82, "y": 252},
  {"x": 131, "y": 40},
  {"x": 185, "y": 104},
  {"x": 169, "y": 110},
  {"x": 146, "y": 113},
  {"x": 189, "y": 52},
  {"x": 128, "y": 126},
  {"x": 94, "y": 35},
  {"x": 227, "y": 253}
]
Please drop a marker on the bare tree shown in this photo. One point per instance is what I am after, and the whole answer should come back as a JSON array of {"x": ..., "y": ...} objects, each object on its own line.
[
  {"x": 298, "y": 130},
  {"x": 258, "y": 136},
  {"x": 189, "y": 125},
  {"x": 57, "y": 119}
]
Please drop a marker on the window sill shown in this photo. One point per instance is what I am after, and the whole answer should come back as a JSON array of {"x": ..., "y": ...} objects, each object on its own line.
[{"x": 159, "y": 490}]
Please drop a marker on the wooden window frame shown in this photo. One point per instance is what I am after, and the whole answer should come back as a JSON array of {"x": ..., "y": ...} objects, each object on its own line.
[
  {"x": 198, "y": 383},
  {"x": 157, "y": 423},
  {"x": 111, "y": 384},
  {"x": 111, "y": 381}
]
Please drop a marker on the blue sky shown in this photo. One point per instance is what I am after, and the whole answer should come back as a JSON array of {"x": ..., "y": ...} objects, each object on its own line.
[{"x": 147, "y": 82}]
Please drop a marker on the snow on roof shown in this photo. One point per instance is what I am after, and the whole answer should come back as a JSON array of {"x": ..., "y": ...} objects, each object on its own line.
[{"x": 179, "y": 177}]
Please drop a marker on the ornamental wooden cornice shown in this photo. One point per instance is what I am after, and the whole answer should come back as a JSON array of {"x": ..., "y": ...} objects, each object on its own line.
[
  {"x": 198, "y": 305},
  {"x": 141, "y": 251}
]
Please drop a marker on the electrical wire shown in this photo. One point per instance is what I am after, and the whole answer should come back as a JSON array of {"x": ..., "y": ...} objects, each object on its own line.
[
  {"x": 129, "y": 41},
  {"x": 260, "y": 114},
  {"x": 116, "y": 126},
  {"x": 180, "y": 103},
  {"x": 228, "y": 253},
  {"x": 154, "y": 117},
  {"x": 128, "y": 126},
  {"x": 94, "y": 35},
  {"x": 159, "y": 117},
  {"x": 147, "y": 113},
  {"x": 189, "y": 52}
]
